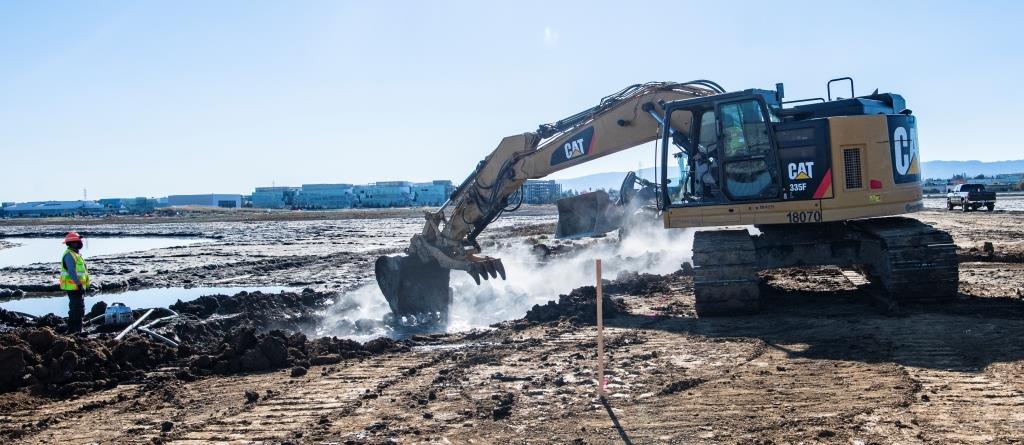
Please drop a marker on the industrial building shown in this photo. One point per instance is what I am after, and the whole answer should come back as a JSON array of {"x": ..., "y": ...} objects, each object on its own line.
[
  {"x": 210, "y": 200},
  {"x": 54, "y": 208},
  {"x": 325, "y": 196},
  {"x": 541, "y": 191},
  {"x": 385, "y": 194},
  {"x": 138, "y": 206},
  {"x": 274, "y": 197},
  {"x": 433, "y": 193},
  {"x": 345, "y": 196}
]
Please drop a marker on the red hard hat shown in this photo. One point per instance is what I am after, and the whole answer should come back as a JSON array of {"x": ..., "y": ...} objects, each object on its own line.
[{"x": 72, "y": 237}]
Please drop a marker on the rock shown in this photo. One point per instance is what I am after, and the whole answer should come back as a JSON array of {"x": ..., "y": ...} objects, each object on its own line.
[
  {"x": 97, "y": 309},
  {"x": 298, "y": 371},
  {"x": 166, "y": 426},
  {"x": 243, "y": 339},
  {"x": 202, "y": 362},
  {"x": 326, "y": 359},
  {"x": 254, "y": 360},
  {"x": 680, "y": 385},
  {"x": 251, "y": 396},
  {"x": 275, "y": 349},
  {"x": 12, "y": 366},
  {"x": 503, "y": 405},
  {"x": 381, "y": 344},
  {"x": 988, "y": 248},
  {"x": 41, "y": 339},
  {"x": 686, "y": 269}
]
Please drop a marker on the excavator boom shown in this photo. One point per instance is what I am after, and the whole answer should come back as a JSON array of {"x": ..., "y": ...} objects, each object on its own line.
[{"x": 416, "y": 283}]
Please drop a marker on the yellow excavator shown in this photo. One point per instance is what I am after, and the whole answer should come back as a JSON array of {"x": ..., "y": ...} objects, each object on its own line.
[{"x": 820, "y": 179}]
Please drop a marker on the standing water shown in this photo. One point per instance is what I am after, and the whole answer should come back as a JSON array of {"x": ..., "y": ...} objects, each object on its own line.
[
  {"x": 142, "y": 298},
  {"x": 47, "y": 250}
]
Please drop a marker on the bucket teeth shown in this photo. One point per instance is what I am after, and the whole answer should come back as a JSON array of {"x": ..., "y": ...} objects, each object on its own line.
[
  {"x": 489, "y": 266},
  {"x": 473, "y": 273},
  {"x": 482, "y": 270},
  {"x": 499, "y": 267}
]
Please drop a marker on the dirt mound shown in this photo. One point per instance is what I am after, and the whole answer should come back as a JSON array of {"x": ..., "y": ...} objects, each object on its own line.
[
  {"x": 66, "y": 365},
  {"x": 580, "y": 303},
  {"x": 246, "y": 350},
  {"x": 208, "y": 320},
  {"x": 218, "y": 334}
]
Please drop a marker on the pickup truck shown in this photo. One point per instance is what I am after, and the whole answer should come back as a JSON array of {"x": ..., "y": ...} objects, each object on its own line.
[{"x": 970, "y": 197}]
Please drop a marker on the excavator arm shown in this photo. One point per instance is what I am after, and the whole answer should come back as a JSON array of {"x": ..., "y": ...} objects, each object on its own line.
[{"x": 417, "y": 282}]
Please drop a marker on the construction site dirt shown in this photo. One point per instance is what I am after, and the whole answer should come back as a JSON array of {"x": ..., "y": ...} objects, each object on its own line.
[{"x": 823, "y": 362}]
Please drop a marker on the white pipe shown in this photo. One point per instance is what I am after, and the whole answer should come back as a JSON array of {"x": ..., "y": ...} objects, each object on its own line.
[
  {"x": 170, "y": 342},
  {"x": 134, "y": 325}
]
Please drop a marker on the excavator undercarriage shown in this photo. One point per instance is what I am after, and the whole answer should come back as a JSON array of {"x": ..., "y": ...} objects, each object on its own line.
[{"x": 904, "y": 260}]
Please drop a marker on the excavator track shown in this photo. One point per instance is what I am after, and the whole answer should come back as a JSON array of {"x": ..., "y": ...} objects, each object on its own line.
[
  {"x": 909, "y": 260},
  {"x": 725, "y": 278},
  {"x": 904, "y": 259}
]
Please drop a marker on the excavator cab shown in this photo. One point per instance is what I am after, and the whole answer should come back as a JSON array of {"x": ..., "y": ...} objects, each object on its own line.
[{"x": 728, "y": 154}]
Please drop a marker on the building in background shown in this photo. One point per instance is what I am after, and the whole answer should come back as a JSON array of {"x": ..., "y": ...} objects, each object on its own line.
[
  {"x": 227, "y": 201},
  {"x": 54, "y": 208},
  {"x": 385, "y": 194},
  {"x": 432, "y": 193},
  {"x": 137, "y": 206},
  {"x": 325, "y": 196},
  {"x": 541, "y": 191},
  {"x": 274, "y": 197}
]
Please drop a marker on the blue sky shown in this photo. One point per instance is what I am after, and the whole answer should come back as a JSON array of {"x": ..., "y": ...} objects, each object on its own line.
[{"x": 157, "y": 98}]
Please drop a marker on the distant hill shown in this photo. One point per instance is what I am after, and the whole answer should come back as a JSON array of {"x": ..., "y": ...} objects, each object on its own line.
[
  {"x": 607, "y": 180},
  {"x": 946, "y": 169},
  {"x": 929, "y": 169}
]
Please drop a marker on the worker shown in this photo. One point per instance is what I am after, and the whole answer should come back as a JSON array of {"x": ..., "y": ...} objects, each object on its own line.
[{"x": 74, "y": 279}]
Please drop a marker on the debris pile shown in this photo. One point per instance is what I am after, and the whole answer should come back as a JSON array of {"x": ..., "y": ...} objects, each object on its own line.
[
  {"x": 245, "y": 350},
  {"x": 49, "y": 363},
  {"x": 220, "y": 334}
]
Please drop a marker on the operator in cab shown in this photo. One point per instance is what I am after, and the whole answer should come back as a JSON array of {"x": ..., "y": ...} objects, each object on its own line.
[{"x": 74, "y": 280}]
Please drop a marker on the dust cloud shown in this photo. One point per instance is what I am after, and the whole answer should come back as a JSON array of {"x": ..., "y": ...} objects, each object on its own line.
[{"x": 533, "y": 278}]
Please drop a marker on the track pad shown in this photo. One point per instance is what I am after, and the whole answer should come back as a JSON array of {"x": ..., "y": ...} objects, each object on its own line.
[{"x": 413, "y": 287}]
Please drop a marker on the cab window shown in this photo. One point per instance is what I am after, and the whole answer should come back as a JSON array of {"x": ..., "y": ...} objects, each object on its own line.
[
  {"x": 744, "y": 131},
  {"x": 708, "y": 129}
]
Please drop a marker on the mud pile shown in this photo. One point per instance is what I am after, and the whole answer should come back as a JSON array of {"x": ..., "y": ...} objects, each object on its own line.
[
  {"x": 580, "y": 304},
  {"x": 54, "y": 364},
  {"x": 210, "y": 320},
  {"x": 218, "y": 334},
  {"x": 245, "y": 350}
]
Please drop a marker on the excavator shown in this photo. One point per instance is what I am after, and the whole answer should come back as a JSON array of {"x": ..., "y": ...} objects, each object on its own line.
[{"x": 822, "y": 181}]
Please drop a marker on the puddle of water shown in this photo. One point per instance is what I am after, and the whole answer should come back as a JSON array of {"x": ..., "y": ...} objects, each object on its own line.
[
  {"x": 46, "y": 250},
  {"x": 142, "y": 298}
]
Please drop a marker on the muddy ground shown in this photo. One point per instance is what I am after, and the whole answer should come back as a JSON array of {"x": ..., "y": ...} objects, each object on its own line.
[
  {"x": 822, "y": 364},
  {"x": 294, "y": 249}
]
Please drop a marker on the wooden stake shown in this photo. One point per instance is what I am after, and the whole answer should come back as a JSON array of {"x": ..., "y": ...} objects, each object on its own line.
[{"x": 600, "y": 333}]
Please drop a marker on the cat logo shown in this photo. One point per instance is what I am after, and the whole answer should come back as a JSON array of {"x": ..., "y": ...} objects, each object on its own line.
[
  {"x": 801, "y": 171},
  {"x": 574, "y": 148},
  {"x": 904, "y": 149},
  {"x": 906, "y": 164}
]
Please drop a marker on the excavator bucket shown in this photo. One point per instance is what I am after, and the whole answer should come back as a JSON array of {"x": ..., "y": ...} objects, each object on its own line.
[
  {"x": 589, "y": 214},
  {"x": 413, "y": 287}
]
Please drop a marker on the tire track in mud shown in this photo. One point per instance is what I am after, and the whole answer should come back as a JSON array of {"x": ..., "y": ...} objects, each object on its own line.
[
  {"x": 959, "y": 401},
  {"x": 214, "y": 410},
  {"x": 314, "y": 401}
]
